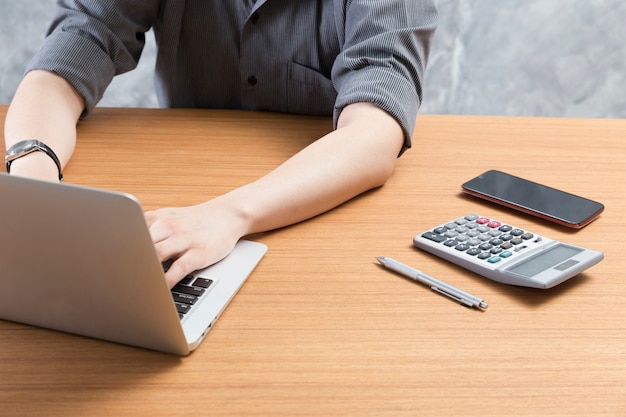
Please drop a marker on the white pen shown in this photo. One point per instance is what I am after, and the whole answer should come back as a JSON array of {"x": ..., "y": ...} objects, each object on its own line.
[{"x": 442, "y": 288}]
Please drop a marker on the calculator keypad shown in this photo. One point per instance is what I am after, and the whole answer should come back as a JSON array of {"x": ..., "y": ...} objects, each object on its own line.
[
  {"x": 505, "y": 253},
  {"x": 486, "y": 239}
]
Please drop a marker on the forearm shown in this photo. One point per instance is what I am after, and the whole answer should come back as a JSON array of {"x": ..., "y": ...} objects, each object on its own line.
[
  {"x": 358, "y": 156},
  {"x": 46, "y": 108}
]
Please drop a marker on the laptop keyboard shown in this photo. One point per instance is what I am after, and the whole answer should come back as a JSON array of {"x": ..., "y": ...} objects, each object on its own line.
[{"x": 188, "y": 291}]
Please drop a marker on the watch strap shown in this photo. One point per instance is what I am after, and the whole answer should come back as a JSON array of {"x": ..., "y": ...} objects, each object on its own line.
[{"x": 26, "y": 147}]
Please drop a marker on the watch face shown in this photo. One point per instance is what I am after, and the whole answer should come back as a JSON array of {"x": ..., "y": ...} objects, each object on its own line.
[{"x": 20, "y": 149}]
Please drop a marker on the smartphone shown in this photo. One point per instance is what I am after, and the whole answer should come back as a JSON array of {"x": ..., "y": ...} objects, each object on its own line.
[{"x": 532, "y": 198}]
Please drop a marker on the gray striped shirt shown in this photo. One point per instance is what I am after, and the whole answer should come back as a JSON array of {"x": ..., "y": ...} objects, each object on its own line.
[{"x": 296, "y": 56}]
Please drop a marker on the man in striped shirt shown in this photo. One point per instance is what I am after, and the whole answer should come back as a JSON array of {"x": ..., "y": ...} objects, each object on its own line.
[{"x": 361, "y": 61}]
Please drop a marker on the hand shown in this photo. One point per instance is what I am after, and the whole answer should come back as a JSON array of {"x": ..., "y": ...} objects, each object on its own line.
[{"x": 193, "y": 237}]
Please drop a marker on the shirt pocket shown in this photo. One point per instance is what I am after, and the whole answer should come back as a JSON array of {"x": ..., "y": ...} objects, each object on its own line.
[{"x": 309, "y": 91}]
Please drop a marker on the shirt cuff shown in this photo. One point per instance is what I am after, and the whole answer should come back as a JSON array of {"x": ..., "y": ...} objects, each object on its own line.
[
  {"x": 387, "y": 90},
  {"x": 80, "y": 62}
]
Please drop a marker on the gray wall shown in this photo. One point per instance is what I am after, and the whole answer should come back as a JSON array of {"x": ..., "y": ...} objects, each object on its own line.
[{"x": 564, "y": 58}]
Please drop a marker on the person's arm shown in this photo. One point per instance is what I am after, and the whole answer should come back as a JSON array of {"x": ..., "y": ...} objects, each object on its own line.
[
  {"x": 86, "y": 45},
  {"x": 359, "y": 155},
  {"x": 46, "y": 108}
]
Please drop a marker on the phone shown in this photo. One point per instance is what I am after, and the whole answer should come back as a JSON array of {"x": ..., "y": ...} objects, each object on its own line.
[{"x": 532, "y": 198}]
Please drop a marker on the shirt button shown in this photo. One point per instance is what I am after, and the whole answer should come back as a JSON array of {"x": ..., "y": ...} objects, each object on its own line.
[{"x": 252, "y": 80}]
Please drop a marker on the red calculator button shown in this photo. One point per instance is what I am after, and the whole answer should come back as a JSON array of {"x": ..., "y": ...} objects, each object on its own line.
[
  {"x": 482, "y": 220},
  {"x": 494, "y": 224}
]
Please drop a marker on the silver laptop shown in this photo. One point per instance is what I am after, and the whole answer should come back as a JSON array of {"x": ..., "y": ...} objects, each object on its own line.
[{"x": 81, "y": 260}]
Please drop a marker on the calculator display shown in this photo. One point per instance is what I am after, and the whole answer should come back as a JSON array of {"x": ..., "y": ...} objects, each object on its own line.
[{"x": 546, "y": 260}]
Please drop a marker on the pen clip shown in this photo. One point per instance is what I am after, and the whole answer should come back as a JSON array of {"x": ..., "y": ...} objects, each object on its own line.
[{"x": 462, "y": 301}]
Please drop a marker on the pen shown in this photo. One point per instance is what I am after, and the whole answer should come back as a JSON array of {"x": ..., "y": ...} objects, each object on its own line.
[{"x": 442, "y": 288}]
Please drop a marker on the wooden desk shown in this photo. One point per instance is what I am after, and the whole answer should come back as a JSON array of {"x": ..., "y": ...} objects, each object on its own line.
[{"x": 319, "y": 329}]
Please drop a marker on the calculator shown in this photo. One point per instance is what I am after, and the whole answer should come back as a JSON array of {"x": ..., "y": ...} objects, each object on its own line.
[{"x": 505, "y": 253}]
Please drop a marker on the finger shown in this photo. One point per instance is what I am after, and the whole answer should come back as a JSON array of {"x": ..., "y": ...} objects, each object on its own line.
[
  {"x": 158, "y": 233},
  {"x": 151, "y": 217},
  {"x": 155, "y": 216},
  {"x": 172, "y": 247},
  {"x": 179, "y": 269},
  {"x": 162, "y": 228}
]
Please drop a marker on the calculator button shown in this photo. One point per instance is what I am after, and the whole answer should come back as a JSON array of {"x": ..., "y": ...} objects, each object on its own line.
[
  {"x": 473, "y": 251},
  {"x": 506, "y": 254},
  {"x": 471, "y": 217},
  {"x": 506, "y": 236},
  {"x": 462, "y": 247},
  {"x": 527, "y": 236},
  {"x": 485, "y": 246},
  {"x": 474, "y": 242},
  {"x": 450, "y": 225},
  {"x": 440, "y": 230},
  {"x": 517, "y": 241},
  {"x": 517, "y": 232},
  {"x": 472, "y": 225},
  {"x": 494, "y": 224},
  {"x": 462, "y": 238},
  {"x": 505, "y": 228},
  {"x": 451, "y": 233},
  {"x": 484, "y": 255},
  {"x": 460, "y": 221},
  {"x": 484, "y": 237},
  {"x": 494, "y": 259},
  {"x": 434, "y": 237},
  {"x": 506, "y": 245},
  {"x": 494, "y": 233},
  {"x": 482, "y": 220},
  {"x": 496, "y": 242},
  {"x": 451, "y": 243},
  {"x": 495, "y": 251}
]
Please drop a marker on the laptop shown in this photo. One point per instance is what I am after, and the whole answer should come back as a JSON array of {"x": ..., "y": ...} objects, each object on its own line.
[{"x": 80, "y": 260}]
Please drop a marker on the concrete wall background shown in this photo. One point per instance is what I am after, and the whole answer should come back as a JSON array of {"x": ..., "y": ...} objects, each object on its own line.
[{"x": 562, "y": 58}]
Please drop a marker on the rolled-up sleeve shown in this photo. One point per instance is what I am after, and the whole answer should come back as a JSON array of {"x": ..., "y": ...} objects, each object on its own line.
[
  {"x": 384, "y": 56},
  {"x": 89, "y": 42}
]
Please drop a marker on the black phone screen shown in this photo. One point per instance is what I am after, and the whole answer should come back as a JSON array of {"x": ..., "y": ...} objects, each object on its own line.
[{"x": 533, "y": 198}]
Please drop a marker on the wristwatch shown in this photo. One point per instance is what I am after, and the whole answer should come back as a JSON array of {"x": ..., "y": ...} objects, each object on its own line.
[{"x": 29, "y": 146}]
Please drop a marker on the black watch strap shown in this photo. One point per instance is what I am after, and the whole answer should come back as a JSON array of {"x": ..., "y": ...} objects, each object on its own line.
[{"x": 29, "y": 146}]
